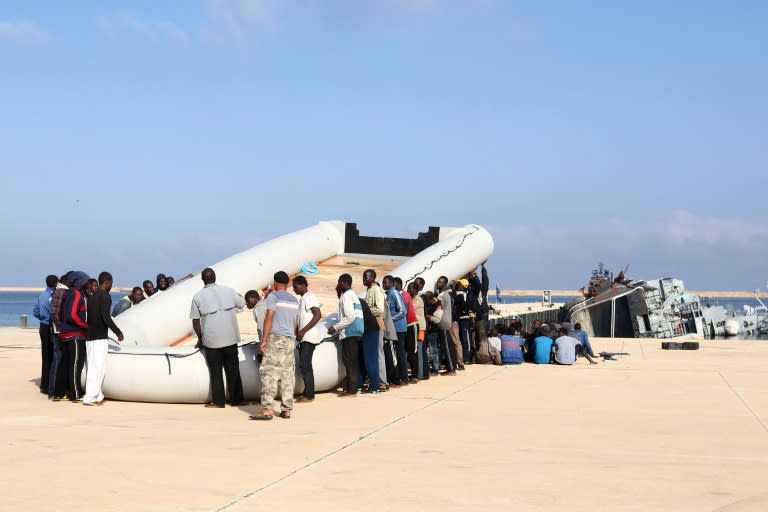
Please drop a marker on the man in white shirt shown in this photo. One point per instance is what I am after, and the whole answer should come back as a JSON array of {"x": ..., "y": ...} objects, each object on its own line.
[{"x": 307, "y": 336}]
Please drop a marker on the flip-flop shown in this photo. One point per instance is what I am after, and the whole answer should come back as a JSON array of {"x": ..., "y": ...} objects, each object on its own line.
[{"x": 263, "y": 417}]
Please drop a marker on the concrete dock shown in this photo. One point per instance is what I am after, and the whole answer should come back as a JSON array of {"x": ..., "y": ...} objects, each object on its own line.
[{"x": 652, "y": 430}]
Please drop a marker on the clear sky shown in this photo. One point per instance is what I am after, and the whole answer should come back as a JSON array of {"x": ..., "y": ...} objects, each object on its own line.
[{"x": 147, "y": 136}]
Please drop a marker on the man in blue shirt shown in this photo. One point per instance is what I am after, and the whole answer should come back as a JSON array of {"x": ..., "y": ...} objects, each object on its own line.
[
  {"x": 542, "y": 346},
  {"x": 397, "y": 310},
  {"x": 584, "y": 339},
  {"x": 42, "y": 312}
]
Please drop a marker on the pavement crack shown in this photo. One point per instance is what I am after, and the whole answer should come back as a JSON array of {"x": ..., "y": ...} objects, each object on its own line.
[
  {"x": 749, "y": 408},
  {"x": 358, "y": 440}
]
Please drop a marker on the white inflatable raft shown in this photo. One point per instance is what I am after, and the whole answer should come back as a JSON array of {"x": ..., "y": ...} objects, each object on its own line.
[{"x": 147, "y": 368}]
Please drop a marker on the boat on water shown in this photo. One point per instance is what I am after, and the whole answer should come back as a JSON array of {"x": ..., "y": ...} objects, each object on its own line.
[{"x": 657, "y": 308}]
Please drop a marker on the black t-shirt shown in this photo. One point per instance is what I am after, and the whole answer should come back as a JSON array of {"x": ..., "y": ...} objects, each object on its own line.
[
  {"x": 99, "y": 316},
  {"x": 369, "y": 321}
]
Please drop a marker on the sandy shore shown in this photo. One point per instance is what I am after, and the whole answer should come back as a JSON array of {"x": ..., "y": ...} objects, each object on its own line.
[{"x": 654, "y": 430}]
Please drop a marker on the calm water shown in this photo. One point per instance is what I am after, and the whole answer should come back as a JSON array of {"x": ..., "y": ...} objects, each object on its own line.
[{"x": 15, "y": 304}]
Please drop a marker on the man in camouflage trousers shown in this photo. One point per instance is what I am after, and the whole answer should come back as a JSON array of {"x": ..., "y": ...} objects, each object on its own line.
[{"x": 276, "y": 351}]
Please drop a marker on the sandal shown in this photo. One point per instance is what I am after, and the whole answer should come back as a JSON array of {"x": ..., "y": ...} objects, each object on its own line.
[
  {"x": 264, "y": 417},
  {"x": 285, "y": 415}
]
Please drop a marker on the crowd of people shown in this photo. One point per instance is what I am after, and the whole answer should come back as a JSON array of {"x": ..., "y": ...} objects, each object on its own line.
[
  {"x": 75, "y": 318},
  {"x": 390, "y": 335},
  {"x": 145, "y": 291},
  {"x": 542, "y": 344}
]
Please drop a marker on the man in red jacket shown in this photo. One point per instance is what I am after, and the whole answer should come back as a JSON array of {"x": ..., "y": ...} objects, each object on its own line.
[{"x": 73, "y": 330}]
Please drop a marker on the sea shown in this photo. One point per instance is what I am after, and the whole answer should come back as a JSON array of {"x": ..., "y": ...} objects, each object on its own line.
[{"x": 15, "y": 304}]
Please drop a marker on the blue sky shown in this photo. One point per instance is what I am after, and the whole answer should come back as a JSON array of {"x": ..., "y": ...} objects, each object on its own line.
[{"x": 142, "y": 137}]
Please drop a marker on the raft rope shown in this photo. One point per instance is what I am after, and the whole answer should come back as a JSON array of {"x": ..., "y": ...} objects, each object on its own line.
[
  {"x": 169, "y": 356},
  {"x": 443, "y": 255}
]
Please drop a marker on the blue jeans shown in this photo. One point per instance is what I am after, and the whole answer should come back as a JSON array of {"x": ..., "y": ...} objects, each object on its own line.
[
  {"x": 369, "y": 359},
  {"x": 434, "y": 353},
  {"x": 588, "y": 346}
]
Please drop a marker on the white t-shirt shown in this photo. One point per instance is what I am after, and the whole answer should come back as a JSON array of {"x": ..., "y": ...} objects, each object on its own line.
[{"x": 306, "y": 303}]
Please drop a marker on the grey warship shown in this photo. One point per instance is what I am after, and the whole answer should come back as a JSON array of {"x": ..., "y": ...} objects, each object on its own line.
[{"x": 657, "y": 308}]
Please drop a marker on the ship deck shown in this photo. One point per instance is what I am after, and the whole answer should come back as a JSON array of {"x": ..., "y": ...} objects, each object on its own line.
[{"x": 652, "y": 430}]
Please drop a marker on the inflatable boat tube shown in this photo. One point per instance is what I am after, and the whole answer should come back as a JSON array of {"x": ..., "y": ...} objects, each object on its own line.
[
  {"x": 163, "y": 319},
  {"x": 136, "y": 372}
]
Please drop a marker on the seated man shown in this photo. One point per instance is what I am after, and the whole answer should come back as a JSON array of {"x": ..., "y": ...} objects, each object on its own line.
[
  {"x": 542, "y": 345},
  {"x": 487, "y": 353},
  {"x": 566, "y": 348},
  {"x": 511, "y": 347},
  {"x": 584, "y": 338}
]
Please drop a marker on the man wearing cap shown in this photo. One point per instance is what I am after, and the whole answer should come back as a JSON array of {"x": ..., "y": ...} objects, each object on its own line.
[
  {"x": 214, "y": 319},
  {"x": 464, "y": 321},
  {"x": 277, "y": 350}
]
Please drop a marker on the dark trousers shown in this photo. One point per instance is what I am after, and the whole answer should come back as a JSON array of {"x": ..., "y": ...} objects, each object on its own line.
[
  {"x": 467, "y": 337},
  {"x": 76, "y": 361},
  {"x": 411, "y": 347},
  {"x": 401, "y": 360},
  {"x": 389, "y": 361},
  {"x": 369, "y": 359},
  {"x": 57, "y": 380},
  {"x": 46, "y": 355},
  {"x": 306, "y": 349},
  {"x": 349, "y": 349},
  {"x": 432, "y": 353},
  {"x": 226, "y": 358},
  {"x": 448, "y": 349}
]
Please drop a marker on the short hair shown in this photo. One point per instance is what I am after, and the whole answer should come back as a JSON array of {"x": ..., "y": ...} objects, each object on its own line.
[
  {"x": 420, "y": 281},
  {"x": 398, "y": 281},
  {"x": 252, "y": 294},
  {"x": 92, "y": 280},
  {"x": 208, "y": 275},
  {"x": 444, "y": 279},
  {"x": 64, "y": 279},
  {"x": 147, "y": 281},
  {"x": 300, "y": 280},
  {"x": 104, "y": 277},
  {"x": 51, "y": 281},
  {"x": 281, "y": 277},
  {"x": 413, "y": 284},
  {"x": 371, "y": 272},
  {"x": 577, "y": 326},
  {"x": 137, "y": 289},
  {"x": 388, "y": 278},
  {"x": 562, "y": 330},
  {"x": 346, "y": 279}
]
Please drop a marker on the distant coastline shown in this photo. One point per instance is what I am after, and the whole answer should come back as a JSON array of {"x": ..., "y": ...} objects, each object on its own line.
[{"x": 732, "y": 294}]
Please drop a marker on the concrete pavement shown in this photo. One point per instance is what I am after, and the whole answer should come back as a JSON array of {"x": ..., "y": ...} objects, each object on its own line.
[{"x": 653, "y": 430}]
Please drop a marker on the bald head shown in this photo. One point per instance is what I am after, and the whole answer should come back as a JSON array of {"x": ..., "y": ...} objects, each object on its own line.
[{"x": 209, "y": 276}]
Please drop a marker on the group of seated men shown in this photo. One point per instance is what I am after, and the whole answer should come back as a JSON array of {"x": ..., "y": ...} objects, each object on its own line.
[{"x": 543, "y": 343}]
